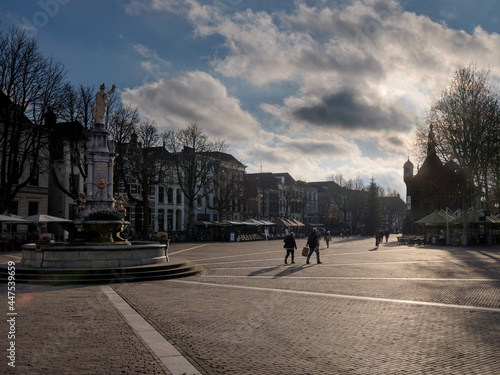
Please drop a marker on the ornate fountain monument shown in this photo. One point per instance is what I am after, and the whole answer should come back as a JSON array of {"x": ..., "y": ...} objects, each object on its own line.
[{"x": 95, "y": 251}]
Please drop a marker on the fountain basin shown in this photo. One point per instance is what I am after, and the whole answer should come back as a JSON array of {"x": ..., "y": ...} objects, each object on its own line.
[{"x": 66, "y": 255}]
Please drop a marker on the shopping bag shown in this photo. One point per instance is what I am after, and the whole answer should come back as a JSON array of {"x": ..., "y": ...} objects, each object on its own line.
[{"x": 305, "y": 251}]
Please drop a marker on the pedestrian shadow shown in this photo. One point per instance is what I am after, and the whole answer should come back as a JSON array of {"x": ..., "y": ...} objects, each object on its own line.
[
  {"x": 291, "y": 270},
  {"x": 264, "y": 270},
  {"x": 374, "y": 249},
  {"x": 286, "y": 271}
]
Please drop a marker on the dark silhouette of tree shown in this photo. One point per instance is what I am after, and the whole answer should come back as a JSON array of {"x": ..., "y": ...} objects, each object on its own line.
[
  {"x": 372, "y": 214},
  {"x": 30, "y": 84},
  {"x": 122, "y": 125}
]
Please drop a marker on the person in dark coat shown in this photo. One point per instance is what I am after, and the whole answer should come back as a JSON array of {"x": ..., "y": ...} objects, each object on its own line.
[
  {"x": 378, "y": 237},
  {"x": 386, "y": 234},
  {"x": 290, "y": 246},
  {"x": 327, "y": 239},
  {"x": 313, "y": 243}
]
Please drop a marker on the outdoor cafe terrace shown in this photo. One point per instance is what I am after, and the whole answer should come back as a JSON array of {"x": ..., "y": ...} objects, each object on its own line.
[{"x": 447, "y": 228}]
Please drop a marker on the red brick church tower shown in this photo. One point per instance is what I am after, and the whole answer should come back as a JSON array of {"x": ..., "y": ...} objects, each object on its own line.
[{"x": 435, "y": 186}]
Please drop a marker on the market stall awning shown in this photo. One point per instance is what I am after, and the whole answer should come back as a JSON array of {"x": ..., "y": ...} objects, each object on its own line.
[
  {"x": 268, "y": 223},
  {"x": 297, "y": 223},
  {"x": 285, "y": 223},
  {"x": 254, "y": 221},
  {"x": 437, "y": 218}
]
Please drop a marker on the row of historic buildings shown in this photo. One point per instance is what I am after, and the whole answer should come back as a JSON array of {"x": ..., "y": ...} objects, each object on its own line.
[{"x": 261, "y": 196}]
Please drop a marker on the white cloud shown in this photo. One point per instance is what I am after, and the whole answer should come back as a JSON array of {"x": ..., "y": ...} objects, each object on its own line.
[
  {"x": 365, "y": 73},
  {"x": 193, "y": 97},
  {"x": 138, "y": 6},
  {"x": 154, "y": 66}
]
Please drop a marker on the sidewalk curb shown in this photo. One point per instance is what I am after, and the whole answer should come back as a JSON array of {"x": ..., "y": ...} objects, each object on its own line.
[{"x": 171, "y": 358}]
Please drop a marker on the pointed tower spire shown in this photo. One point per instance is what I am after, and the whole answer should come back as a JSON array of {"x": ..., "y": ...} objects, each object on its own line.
[{"x": 431, "y": 142}]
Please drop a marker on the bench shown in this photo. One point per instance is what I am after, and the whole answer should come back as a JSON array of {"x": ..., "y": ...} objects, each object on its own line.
[{"x": 402, "y": 240}]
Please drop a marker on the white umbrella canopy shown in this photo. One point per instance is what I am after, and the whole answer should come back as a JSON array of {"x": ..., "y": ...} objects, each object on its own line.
[
  {"x": 17, "y": 219},
  {"x": 42, "y": 219}
]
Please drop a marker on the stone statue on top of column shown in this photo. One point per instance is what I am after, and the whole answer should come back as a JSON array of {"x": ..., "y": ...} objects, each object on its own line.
[{"x": 99, "y": 111}]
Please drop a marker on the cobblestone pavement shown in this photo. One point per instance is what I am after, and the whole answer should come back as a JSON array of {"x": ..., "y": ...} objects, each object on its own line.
[{"x": 392, "y": 310}]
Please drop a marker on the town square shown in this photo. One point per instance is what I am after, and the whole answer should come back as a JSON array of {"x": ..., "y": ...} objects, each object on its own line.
[
  {"x": 396, "y": 310},
  {"x": 249, "y": 187}
]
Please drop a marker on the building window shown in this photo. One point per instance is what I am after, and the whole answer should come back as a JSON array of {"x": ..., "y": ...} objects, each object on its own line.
[
  {"x": 35, "y": 178},
  {"x": 179, "y": 196},
  {"x": 170, "y": 195},
  {"x": 161, "y": 219},
  {"x": 32, "y": 210},
  {"x": 170, "y": 220},
  {"x": 161, "y": 194}
]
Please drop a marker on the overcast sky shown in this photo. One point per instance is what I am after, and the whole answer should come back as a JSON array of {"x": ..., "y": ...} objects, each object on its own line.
[{"x": 314, "y": 88}]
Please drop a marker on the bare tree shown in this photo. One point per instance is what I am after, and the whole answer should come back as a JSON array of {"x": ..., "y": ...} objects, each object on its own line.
[
  {"x": 226, "y": 180},
  {"x": 30, "y": 84},
  {"x": 144, "y": 164},
  {"x": 193, "y": 169},
  {"x": 68, "y": 103},
  {"x": 124, "y": 123},
  {"x": 74, "y": 108},
  {"x": 85, "y": 104},
  {"x": 466, "y": 125}
]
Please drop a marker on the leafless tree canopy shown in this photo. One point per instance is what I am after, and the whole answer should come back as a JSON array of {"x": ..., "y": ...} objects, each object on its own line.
[
  {"x": 193, "y": 169},
  {"x": 466, "y": 124},
  {"x": 30, "y": 84}
]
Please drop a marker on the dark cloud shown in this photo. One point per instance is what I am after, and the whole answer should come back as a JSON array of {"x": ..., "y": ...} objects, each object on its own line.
[
  {"x": 311, "y": 147},
  {"x": 348, "y": 110},
  {"x": 396, "y": 141}
]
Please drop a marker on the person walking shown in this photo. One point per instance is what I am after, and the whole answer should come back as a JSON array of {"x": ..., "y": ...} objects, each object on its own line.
[
  {"x": 313, "y": 242},
  {"x": 378, "y": 237},
  {"x": 386, "y": 234},
  {"x": 327, "y": 239},
  {"x": 290, "y": 246}
]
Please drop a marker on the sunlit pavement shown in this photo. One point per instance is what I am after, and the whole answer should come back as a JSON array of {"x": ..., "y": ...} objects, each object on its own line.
[{"x": 391, "y": 310}]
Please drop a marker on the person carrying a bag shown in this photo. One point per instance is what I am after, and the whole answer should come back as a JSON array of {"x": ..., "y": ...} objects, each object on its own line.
[
  {"x": 290, "y": 246},
  {"x": 313, "y": 243}
]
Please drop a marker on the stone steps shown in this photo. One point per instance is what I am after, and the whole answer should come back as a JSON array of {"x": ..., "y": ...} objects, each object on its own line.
[{"x": 65, "y": 276}]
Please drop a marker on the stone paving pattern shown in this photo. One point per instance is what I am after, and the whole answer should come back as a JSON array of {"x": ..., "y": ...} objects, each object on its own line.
[
  {"x": 249, "y": 313},
  {"x": 74, "y": 330}
]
